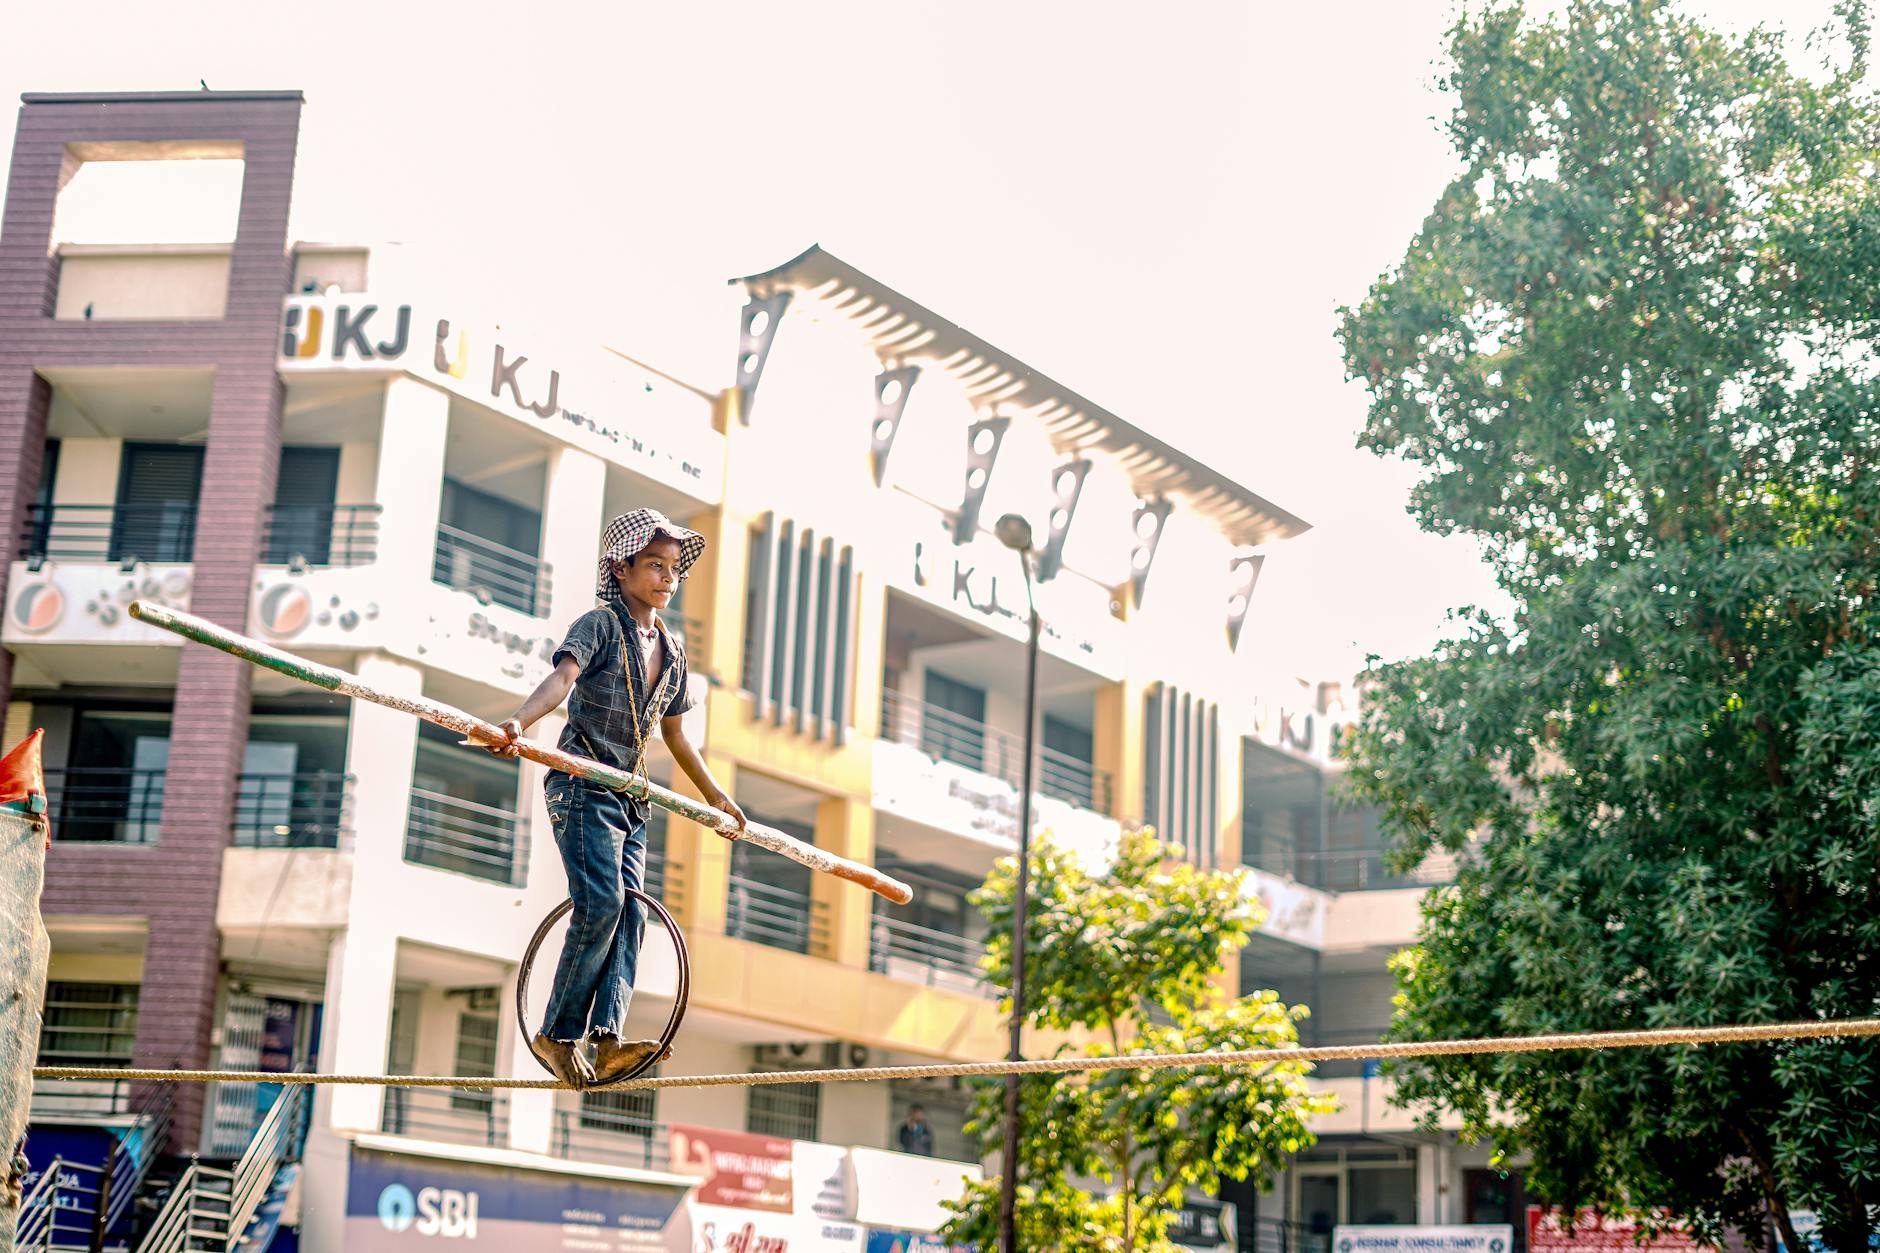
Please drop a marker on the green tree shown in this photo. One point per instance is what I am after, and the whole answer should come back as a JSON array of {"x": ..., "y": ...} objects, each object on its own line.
[
  {"x": 1632, "y": 350},
  {"x": 1105, "y": 954}
]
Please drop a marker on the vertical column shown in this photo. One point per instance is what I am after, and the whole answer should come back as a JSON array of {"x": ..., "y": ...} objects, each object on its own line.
[
  {"x": 698, "y": 862},
  {"x": 409, "y": 493},
  {"x": 531, "y": 1110},
  {"x": 208, "y": 733},
  {"x": 867, "y": 660},
  {"x": 1117, "y": 744},
  {"x": 571, "y": 530},
  {"x": 24, "y": 401},
  {"x": 845, "y": 827},
  {"x": 381, "y": 746},
  {"x": 714, "y": 597}
]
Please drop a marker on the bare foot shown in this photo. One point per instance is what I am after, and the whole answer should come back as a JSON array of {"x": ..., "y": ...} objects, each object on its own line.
[
  {"x": 615, "y": 1058},
  {"x": 564, "y": 1060}
]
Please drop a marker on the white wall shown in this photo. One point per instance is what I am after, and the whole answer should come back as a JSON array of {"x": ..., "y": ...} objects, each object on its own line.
[{"x": 180, "y": 282}]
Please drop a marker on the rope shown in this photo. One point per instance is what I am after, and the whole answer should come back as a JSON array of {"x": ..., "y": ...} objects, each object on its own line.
[{"x": 1597, "y": 1040}]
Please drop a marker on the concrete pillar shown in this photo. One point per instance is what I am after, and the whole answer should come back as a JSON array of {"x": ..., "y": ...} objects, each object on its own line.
[
  {"x": 571, "y": 530},
  {"x": 714, "y": 596},
  {"x": 698, "y": 862},
  {"x": 531, "y": 1110},
  {"x": 1116, "y": 743},
  {"x": 380, "y": 750},
  {"x": 408, "y": 490},
  {"x": 845, "y": 827}
]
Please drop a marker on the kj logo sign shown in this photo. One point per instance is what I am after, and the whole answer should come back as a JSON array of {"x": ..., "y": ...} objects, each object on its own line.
[{"x": 620, "y": 422}]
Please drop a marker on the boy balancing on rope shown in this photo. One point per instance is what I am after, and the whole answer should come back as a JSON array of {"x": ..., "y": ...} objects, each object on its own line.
[{"x": 625, "y": 671}]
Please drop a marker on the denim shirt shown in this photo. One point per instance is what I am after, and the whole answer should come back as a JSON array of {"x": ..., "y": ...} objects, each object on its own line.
[{"x": 600, "y": 716}]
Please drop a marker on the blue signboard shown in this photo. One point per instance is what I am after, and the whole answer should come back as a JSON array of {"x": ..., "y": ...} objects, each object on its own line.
[
  {"x": 884, "y": 1241},
  {"x": 400, "y": 1204}
]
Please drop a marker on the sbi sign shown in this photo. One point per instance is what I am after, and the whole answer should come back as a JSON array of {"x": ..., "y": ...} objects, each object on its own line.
[{"x": 431, "y": 1212}]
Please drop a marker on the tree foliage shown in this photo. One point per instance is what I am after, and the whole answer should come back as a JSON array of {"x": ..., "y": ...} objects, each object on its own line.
[
  {"x": 1632, "y": 350},
  {"x": 1144, "y": 937}
]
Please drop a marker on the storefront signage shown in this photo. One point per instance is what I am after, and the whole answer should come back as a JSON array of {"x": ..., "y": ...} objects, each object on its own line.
[
  {"x": 1203, "y": 1223},
  {"x": 1294, "y": 913},
  {"x": 407, "y": 1204},
  {"x": 653, "y": 432},
  {"x": 733, "y": 1168},
  {"x": 1550, "y": 1231},
  {"x": 981, "y": 581},
  {"x": 1481, "y": 1238}
]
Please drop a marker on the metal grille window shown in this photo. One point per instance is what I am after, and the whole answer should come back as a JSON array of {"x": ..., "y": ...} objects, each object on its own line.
[
  {"x": 476, "y": 1055},
  {"x": 1181, "y": 770},
  {"x": 789, "y": 1111},
  {"x": 798, "y": 602},
  {"x": 88, "y": 1024},
  {"x": 955, "y": 726},
  {"x": 622, "y": 1113}
]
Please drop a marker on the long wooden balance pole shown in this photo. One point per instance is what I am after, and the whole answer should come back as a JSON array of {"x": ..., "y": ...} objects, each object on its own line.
[{"x": 473, "y": 728}]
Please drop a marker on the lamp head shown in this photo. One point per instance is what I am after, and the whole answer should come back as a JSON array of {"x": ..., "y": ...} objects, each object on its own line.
[{"x": 1014, "y": 532}]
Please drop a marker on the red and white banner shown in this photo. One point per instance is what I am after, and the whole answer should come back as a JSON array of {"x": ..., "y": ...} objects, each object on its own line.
[
  {"x": 734, "y": 1169},
  {"x": 1550, "y": 1232}
]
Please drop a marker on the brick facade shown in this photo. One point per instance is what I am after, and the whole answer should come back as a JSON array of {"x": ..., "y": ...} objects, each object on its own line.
[{"x": 172, "y": 884}]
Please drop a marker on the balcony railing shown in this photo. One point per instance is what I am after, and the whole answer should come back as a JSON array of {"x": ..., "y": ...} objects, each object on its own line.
[
  {"x": 490, "y": 571},
  {"x": 613, "y": 1137},
  {"x": 321, "y": 535},
  {"x": 449, "y": 834},
  {"x": 923, "y": 955},
  {"x": 947, "y": 736},
  {"x": 1352, "y": 870},
  {"x": 104, "y": 804},
  {"x": 768, "y": 915},
  {"x": 306, "y": 810},
  {"x": 448, "y": 1115},
  {"x": 159, "y": 534}
]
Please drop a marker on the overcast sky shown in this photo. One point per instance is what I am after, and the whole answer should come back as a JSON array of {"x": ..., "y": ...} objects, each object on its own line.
[{"x": 1161, "y": 206}]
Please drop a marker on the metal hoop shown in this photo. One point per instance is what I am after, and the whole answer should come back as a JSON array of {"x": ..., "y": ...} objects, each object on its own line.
[{"x": 680, "y": 994}]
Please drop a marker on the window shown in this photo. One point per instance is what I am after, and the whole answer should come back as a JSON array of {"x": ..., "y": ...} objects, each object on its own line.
[
  {"x": 1280, "y": 819},
  {"x": 769, "y": 899},
  {"x": 489, "y": 545},
  {"x": 789, "y": 1111},
  {"x": 953, "y": 726},
  {"x": 1494, "y": 1196},
  {"x": 304, "y": 492},
  {"x": 111, "y": 786},
  {"x": 88, "y": 1024},
  {"x": 155, "y": 520},
  {"x": 622, "y": 1113},
  {"x": 476, "y": 1055},
  {"x": 463, "y": 810}
]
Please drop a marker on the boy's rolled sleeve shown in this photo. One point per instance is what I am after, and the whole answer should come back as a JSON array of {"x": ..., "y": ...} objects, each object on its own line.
[{"x": 586, "y": 640}]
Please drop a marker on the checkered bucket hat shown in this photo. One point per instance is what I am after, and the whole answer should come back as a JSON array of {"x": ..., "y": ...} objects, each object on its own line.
[{"x": 627, "y": 534}]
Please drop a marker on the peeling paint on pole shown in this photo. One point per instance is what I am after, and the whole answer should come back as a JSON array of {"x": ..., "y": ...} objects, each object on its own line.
[
  {"x": 473, "y": 728},
  {"x": 24, "y": 950}
]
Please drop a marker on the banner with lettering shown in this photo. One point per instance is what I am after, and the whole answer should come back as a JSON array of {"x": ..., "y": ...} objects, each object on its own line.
[{"x": 734, "y": 1169}]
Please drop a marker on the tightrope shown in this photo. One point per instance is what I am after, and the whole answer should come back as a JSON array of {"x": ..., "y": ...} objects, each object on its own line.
[{"x": 1654, "y": 1038}]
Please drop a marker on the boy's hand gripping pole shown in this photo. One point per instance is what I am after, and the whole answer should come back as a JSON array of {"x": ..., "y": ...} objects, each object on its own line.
[{"x": 254, "y": 651}]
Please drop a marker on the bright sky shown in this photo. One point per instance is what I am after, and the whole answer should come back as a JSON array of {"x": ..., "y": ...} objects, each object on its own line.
[{"x": 1160, "y": 206}]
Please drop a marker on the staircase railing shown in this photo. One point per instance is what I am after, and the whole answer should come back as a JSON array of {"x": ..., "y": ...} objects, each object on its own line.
[
  {"x": 33, "y": 1232},
  {"x": 153, "y": 1112},
  {"x": 196, "y": 1216},
  {"x": 211, "y": 1208}
]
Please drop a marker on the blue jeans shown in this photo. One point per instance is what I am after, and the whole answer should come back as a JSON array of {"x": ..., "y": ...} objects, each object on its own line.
[{"x": 603, "y": 849}]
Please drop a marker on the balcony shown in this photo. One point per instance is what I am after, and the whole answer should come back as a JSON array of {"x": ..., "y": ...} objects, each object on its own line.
[
  {"x": 615, "y": 1133},
  {"x": 157, "y": 534},
  {"x": 947, "y": 736},
  {"x": 770, "y": 915},
  {"x": 104, "y": 804},
  {"x": 491, "y": 572},
  {"x": 321, "y": 535},
  {"x": 447, "y": 1115},
  {"x": 483, "y": 841},
  {"x": 306, "y": 810},
  {"x": 1352, "y": 870},
  {"x": 926, "y": 956}
]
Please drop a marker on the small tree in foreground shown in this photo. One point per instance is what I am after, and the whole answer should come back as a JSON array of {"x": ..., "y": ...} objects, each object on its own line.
[{"x": 1104, "y": 954}]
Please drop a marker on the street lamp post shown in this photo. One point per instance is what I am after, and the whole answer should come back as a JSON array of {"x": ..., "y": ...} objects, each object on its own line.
[{"x": 1015, "y": 533}]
